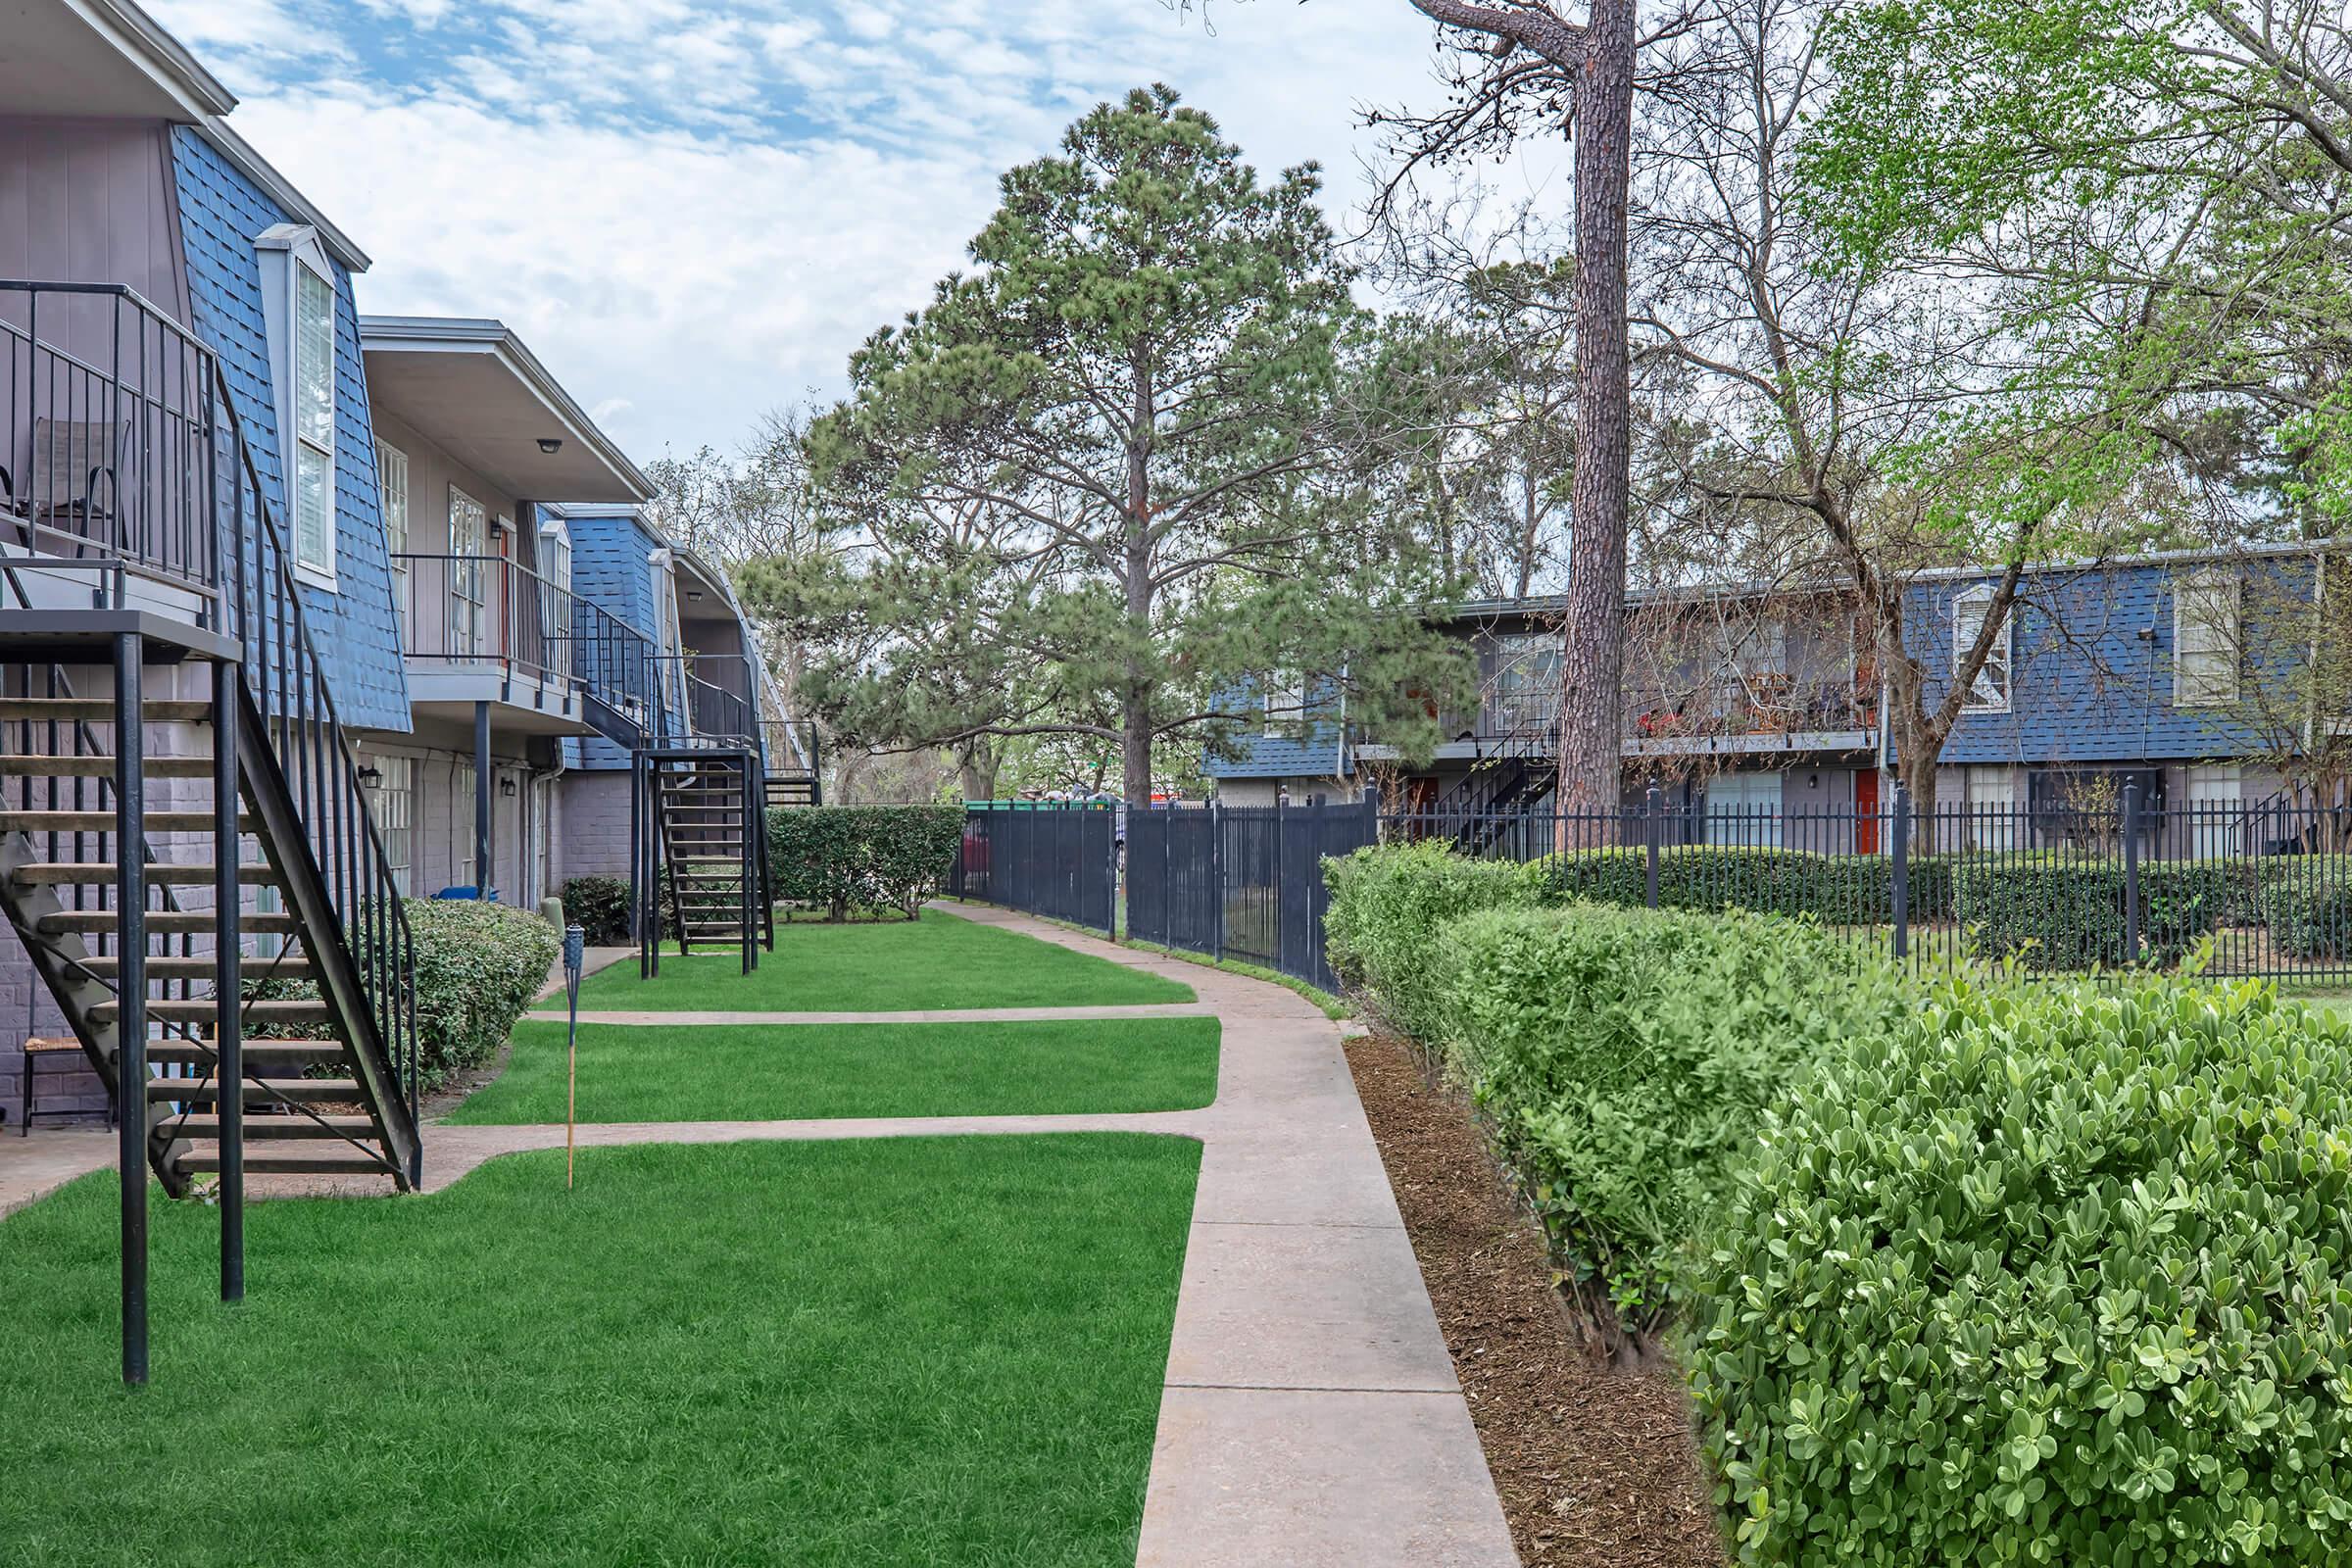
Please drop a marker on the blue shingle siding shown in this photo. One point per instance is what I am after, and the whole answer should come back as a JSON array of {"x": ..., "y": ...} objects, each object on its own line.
[
  {"x": 1316, "y": 753},
  {"x": 2086, "y": 685},
  {"x": 609, "y": 551},
  {"x": 222, "y": 214}
]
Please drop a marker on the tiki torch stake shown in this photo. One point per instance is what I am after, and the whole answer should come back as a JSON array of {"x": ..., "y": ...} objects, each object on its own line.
[{"x": 575, "y": 947}]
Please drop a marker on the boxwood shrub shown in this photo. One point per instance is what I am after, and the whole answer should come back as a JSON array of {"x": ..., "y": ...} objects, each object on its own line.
[
  {"x": 1623, "y": 1058},
  {"x": 600, "y": 907},
  {"x": 2308, "y": 909},
  {"x": 893, "y": 857},
  {"x": 2053, "y": 911},
  {"x": 1387, "y": 906},
  {"x": 1836, "y": 889},
  {"x": 2050, "y": 1275},
  {"x": 478, "y": 966}
]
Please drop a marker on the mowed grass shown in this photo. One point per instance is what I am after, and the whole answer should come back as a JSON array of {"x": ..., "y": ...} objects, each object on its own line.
[
  {"x": 910, "y": 966},
  {"x": 887, "y": 1351},
  {"x": 760, "y": 1072}
]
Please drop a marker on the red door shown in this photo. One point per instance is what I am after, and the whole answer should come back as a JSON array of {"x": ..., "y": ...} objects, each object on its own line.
[{"x": 1866, "y": 812}]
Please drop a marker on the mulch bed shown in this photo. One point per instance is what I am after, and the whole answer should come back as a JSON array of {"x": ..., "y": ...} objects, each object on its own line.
[{"x": 1593, "y": 1466}]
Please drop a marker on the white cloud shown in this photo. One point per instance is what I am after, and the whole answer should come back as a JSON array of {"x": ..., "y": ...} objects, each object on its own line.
[{"x": 695, "y": 211}]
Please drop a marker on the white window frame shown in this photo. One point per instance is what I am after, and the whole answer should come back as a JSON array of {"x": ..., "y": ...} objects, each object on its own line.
[
  {"x": 1991, "y": 804},
  {"x": 555, "y": 569},
  {"x": 2211, "y": 639},
  {"x": 392, "y": 492},
  {"x": 1283, "y": 700},
  {"x": 394, "y": 811},
  {"x": 291, "y": 253},
  {"x": 469, "y": 580},
  {"x": 1968, "y": 619}
]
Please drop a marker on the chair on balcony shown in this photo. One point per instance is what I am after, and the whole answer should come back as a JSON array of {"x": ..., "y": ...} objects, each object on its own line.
[{"x": 74, "y": 484}]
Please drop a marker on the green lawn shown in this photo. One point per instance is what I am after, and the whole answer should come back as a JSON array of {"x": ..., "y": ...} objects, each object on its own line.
[
  {"x": 889, "y": 1351},
  {"x": 937, "y": 962},
  {"x": 781, "y": 1071}
]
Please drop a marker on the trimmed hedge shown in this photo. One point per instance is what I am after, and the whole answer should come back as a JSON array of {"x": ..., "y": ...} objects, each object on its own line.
[
  {"x": 2047, "y": 1276},
  {"x": 600, "y": 907},
  {"x": 478, "y": 966},
  {"x": 1835, "y": 889},
  {"x": 2051, "y": 911},
  {"x": 1387, "y": 907},
  {"x": 893, "y": 857},
  {"x": 1624, "y": 1058},
  {"x": 2309, "y": 913}
]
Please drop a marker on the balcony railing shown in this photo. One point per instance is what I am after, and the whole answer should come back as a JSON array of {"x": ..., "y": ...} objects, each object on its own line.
[
  {"x": 1761, "y": 706},
  {"x": 487, "y": 611},
  {"x": 107, "y": 413}
]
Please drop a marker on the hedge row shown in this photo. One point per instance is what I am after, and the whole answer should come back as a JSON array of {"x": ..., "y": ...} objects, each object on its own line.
[
  {"x": 2046, "y": 1276},
  {"x": 886, "y": 856},
  {"x": 2038, "y": 1273},
  {"x": 1836, "y": 889}
]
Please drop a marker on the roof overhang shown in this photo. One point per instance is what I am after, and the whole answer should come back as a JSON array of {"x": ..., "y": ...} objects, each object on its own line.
[
  {"x": 471, "y": 388},
  {"x": 100, "y": 60}
]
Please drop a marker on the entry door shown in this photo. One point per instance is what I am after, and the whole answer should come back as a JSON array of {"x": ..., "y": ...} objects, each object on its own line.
[
  {"x": 1745, "y": 810},
  {"x": 2215, "y": 795},
  {"x": 1866, "y": 812}
]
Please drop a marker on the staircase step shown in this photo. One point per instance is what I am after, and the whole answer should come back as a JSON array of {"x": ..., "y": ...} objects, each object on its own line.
[
  {"x": 104, "y": 823},
  {"x": 37, "y": 765},
  {"x": 349, "y": 1162},
  {"x": 275, "y": 1128},
  {"x": 277, "y": 1053},
  {"x": 163, "y": 968},
  {"x": 202, "y": 1009},
  {"x": 101, "y": 710},
  {"x": 299, "y": 1091},
  {"x": 168, "y": 922},
  {"x": 178, "y": 873}
]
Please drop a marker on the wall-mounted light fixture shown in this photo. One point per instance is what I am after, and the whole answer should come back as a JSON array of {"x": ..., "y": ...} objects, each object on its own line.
[
  {"x": 371, "y": 778},
  {"x": 505, "y": 789},
  {"x": 694, "y": 596},
  {"x": 550, "y": 444}
]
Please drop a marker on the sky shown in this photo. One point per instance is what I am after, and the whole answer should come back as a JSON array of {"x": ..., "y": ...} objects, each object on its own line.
[{"x": 692, "y": 211}]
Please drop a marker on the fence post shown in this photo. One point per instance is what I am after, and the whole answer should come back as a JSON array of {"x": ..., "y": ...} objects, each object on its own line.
[
  {"x": 2132, "y": 872},
  {"x": 1216, "y": 876},
  {"x": 1901, "y": 829},
  {"x": 1282, "y": 866},
  {"x": 1651, "y": 828},
  {"x": 1110, "y": 909}
]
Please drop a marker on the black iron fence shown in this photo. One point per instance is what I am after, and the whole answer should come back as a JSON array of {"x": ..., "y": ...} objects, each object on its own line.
[{"x": 2090, "y": 883}]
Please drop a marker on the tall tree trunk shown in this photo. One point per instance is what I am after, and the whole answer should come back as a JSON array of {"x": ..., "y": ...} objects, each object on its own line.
[
  {"x": 1135, "y": 709},
  {"x": 1593, "y": 642}
]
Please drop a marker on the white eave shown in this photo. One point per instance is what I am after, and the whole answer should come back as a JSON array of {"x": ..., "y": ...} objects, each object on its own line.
[{"x": 471, "y": 387}]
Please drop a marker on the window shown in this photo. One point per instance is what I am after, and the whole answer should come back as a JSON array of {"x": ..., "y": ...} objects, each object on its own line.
[
  {"x": 392, "y": 482},
  {"x": 299, "y": 311},
  {"x": 1759, "y": 648},
  {"x": 468, "y": 583},
  {"x": 1992, "y": 808},
  {"x": 2205, "y": 638},
  {"x": 393, "y": 805},
  {"x": 1745, "y": 810},
  {"x": 1284, "y": 702},
  {"x": 1989, "y": 693},
  {"x": 2217, "y": 821},
  {"x": 555, "y": 567},
  {"x": 1527, "y": 684}
]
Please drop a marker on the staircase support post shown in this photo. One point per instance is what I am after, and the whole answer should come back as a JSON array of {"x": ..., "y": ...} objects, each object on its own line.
[
  {"x": 228, "y": 1039},
  {"x": 130, "y": 1025}
]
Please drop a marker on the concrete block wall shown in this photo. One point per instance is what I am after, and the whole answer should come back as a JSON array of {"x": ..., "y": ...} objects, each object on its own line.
[{"x": 594, "y": 811}]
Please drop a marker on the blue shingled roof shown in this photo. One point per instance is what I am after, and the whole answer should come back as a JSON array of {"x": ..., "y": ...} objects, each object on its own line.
[{"x": 1317, "y": 751}]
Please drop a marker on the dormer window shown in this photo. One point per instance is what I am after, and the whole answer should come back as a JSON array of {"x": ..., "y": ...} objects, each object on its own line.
[
  {"x": 298, "y": 298},
  {"x": 1989, "y": 693}
]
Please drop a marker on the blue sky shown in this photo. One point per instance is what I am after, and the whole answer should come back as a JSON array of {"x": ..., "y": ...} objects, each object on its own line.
[{"x": 694, "y": 210}]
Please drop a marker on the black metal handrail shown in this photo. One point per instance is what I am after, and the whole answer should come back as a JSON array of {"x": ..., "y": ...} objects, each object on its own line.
[
  {"x": 104, "y": 409},
  {"x": 292, "y": 705}
]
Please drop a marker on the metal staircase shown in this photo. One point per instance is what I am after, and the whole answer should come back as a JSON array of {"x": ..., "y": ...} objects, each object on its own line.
[
  {"x": 194, "y": 874},
  {"x": 708, "y": 845},
  {"x": 1483, "y": 807}
]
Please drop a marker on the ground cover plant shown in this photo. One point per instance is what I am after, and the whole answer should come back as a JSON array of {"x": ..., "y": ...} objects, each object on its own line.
[
  {"x": 785, "y": 1071},
  {"x": 2052, "y": 1275},
  {"x": 944, "y": 962},
  {"x": 892, "y": 1352}
]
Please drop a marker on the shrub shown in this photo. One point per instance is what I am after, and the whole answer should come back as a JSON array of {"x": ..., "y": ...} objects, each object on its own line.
[
  {"x": 477, "y": 968},
  {"x": 1387, "y": 905},
  {"x": 836, "y": 856},
  {"x": 600, "y": 907},
  {"x": 2054, "y": 912},
  {"x": 2309, "y": 913},
  {"x": 1623, "y": 1058},
  {"x": 1836, "y": 889},
  {"x": 2048, "y": 1276}
]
